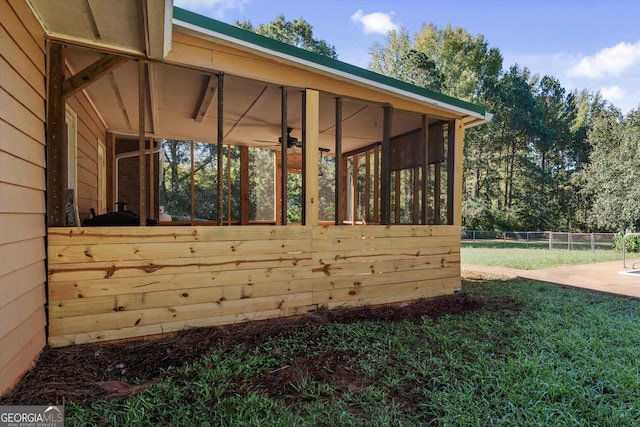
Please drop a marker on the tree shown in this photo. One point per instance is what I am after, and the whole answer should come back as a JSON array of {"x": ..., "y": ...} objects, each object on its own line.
[
  {"x": 612, "y": 179},
  {"x": 297, "y": 33}
]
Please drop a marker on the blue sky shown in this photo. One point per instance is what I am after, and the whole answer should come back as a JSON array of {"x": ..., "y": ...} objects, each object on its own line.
[{"x": 587, "y": 44}]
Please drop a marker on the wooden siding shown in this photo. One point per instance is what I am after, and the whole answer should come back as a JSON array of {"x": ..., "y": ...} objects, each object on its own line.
[
  {"x": 22, "y": 187},
  {"x": 121, "y": 282},
  {"x": 90, "y": 130}
]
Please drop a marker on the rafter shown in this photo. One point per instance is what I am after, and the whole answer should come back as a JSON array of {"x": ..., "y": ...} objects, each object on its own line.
[
  {"x": 206, "y": 100},
  {"x": 93, "y": 72}
]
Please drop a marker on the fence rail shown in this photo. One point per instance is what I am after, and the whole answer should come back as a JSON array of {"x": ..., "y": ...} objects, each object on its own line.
[{"x": 538, "y": 239}]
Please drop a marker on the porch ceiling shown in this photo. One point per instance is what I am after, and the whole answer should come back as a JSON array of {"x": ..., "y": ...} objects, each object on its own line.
[{"x": 251, "y": 109}]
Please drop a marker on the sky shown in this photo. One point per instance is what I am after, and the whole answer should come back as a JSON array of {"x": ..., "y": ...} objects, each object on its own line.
[{"x": 585, "y": 44}]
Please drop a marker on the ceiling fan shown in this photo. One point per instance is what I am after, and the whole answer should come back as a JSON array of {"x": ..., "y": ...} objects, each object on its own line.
[{"x": 292, "y": 141}]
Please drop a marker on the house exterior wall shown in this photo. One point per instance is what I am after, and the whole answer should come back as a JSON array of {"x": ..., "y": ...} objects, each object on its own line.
[
  {"x": 22, "y": 191},
  {"x": 109, "y": 283},
  {"x": 90, "y": 130}
]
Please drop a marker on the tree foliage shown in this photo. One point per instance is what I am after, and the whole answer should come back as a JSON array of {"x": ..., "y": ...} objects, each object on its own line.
[
  {"x": 298, "y": 33},
  {"x": 612, "y": 178}
]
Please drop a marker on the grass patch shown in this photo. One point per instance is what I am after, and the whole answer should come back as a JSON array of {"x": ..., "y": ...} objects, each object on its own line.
[
  {"x": 534, "y": 354},
  {"x": 534, "y": 259}
]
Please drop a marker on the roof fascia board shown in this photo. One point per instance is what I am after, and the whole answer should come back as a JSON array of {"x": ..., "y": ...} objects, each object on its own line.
[{"x": 199, "y": 25}]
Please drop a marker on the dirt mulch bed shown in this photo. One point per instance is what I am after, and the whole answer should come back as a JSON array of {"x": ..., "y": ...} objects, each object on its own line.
[{"x": 89, "y": 372}]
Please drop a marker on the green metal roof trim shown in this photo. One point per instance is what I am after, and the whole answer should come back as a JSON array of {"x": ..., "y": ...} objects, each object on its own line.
[{"x": 287, "y": 49}]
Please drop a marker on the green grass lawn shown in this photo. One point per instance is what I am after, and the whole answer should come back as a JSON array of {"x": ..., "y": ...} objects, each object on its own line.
[
  {"x": 533, "y": 259},
  {"x": 534, "y": 354}
]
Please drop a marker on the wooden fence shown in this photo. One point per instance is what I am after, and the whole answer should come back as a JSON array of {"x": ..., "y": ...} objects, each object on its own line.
[{"x": 108, "y": 283}]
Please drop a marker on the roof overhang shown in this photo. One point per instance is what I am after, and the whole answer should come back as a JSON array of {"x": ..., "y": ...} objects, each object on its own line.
[
  {"x": 219, "y": 32},
  {"x": 136, "y": 27}
]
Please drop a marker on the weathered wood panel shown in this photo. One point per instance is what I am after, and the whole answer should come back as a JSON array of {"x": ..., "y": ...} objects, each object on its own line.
[{"x": 121, "y": 282}]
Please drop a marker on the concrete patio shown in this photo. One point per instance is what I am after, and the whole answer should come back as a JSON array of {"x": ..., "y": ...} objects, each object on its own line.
[{"x": 602, "y": 277}]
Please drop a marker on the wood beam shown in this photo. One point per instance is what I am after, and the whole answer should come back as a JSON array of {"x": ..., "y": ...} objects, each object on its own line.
[
  {"x": 206, "y": 99},
  {"x": 451, "y": 162},
  {"x": 90, "y": 74},
  {"x": 244, "y": 185},
  {"x": 457, "y": 171},
  {"x": 424, "y": 139},
  {"x": 283, "y": 148},
  {"x": 340, "y": 181},
  {"x": 310, "y": 151},
  {"x": 220, "y": 144},
  {"x": 385, "y": 179},
  {"x": 142, "y": 85},
  {"x": 56, "y": 141}
]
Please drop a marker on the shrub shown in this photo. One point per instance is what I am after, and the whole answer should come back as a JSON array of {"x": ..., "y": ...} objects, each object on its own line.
[{"x": 632, "y": 243}]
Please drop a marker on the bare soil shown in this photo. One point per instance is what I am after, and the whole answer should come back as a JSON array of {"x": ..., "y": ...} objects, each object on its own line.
[{"x": 90, "y": 372}]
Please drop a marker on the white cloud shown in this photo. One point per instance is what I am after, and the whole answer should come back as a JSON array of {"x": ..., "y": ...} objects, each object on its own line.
[
  {"x": 613, "y": 93},
  {"x": 213, "y": 8},
  {"x": 376, "y": 22},
  {"x": 611, "y": 61}
]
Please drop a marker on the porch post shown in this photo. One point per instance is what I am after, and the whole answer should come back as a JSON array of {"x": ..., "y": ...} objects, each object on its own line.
[
  {"x": 424, "y": 140},
  {"x": 451, "y": 163},
  {"x": 458, "y": 129},
  {"x": 220, "y": 143},
  {"x": 340, "y": 182},
  {"x": 56, "y": 144},
  {"x": 310, "y": 169},
  {"x": 385, "y": 179},
  {"x": 284, "y": 137},
  {"x": 141, "y": 141}
]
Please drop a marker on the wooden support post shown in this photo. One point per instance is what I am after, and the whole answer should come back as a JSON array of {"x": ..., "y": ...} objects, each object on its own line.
[
  {"x": 367, "y": 186},
  {"x": 385, "y": 179},
  {"x": 437, "y": 192},
  {"x": 451, "y": 162},
  {"x": 310, "y": 163},
  {"x": 376, "y": 184},
  {"x": 354, "y": 179},
  {"x": 56, "y": 141},
  {"x": 284, "y": 136},
  {"x": 457, "y": 171},
  {"x": 340, "y": 182},
  {"x": 244, "y": 185},
  {"x": 220, "y": 142},
  {"x": 396, "y": 202},
  {"x": 142, "y": 84},
  {"x": 415, "y": 208},
  {"x": 424, "y": 140},
  {"x": 153, "y": 212},
  {"x": 192, "y": 204},
  {"x": 111, "y": 160}
]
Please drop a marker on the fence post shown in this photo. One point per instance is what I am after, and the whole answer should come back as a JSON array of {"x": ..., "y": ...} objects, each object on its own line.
[
  {"x": 550, "y": 240},
  {"x": 569, "y": 241},
  {"x": 504, "y": 239},
  {"x": 593, "y": 242}
]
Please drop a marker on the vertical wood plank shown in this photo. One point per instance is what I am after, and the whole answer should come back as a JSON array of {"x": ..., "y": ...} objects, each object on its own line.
[
  {"x": 424, "y": 139},
  {"x": 152, "y": 194},
  {"x": 220, "y": 144},
  {"x": 310, "y": 162},
  {"x": 354, "y": 178},
  {"x": 111, "y": 159},
  {"x": 244, "y": 185},
  {"x": 367, "y": 186},
  {"x": 340, "y": 184},
  {"x": 385, "y": 179},
  {"x": 142, "y": 83},
  {"x": 56, "y": 144},
  {"x": 284, "y": 136},
  {"x": 376, "y": 184},
  {"x": 451, "y": 163},
  {"x": 457, "y": 172}
]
